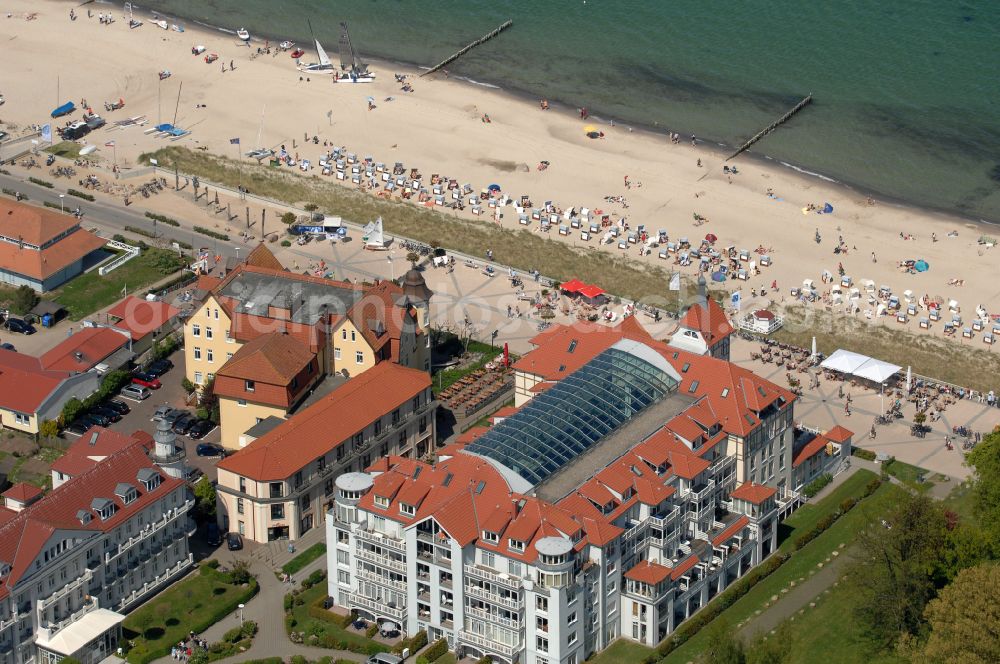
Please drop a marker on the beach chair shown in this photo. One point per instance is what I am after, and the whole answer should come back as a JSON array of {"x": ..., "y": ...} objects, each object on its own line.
[
  {"x": 925, "y": 324},
  {"x": 741, "y": 274},
  {"x": 536, "y": 214},
  {"x": 352, "y": 158},
  {"x": 934, "y": 315},
  {"x": 401, "y": 181},
  {"x": 439, "y": 200},
  {"x": 563, "y": 229},
  {"x": 477, "y": 210},
  {"x": 380, "y": 167},
  {"x": 967, "y": 332},
  {"x": 633, "y": 238},
  {"x": 988, "y": 339},
  {"x": 623, "y": 244},
  {"x": 977, "y": 326},
  {"x": 492, "y": 203},
  {"x": 996, "y": 330},
  {"x": 585, "y": 236},
  {"x": 341, "y": 175},
  {"x": 911, "y": 310},
  {"x": 664, "y": 254},
  {"x": 456, "y": 195},
  {"x": 327, "y": 170},
  {"x": 553, "y": 218},
  {"x": 575, "y": 223},
  {"x": 415, "y": 186},
  {"x": 356, "y": 179},
  {"x": 523, "y": 219}
]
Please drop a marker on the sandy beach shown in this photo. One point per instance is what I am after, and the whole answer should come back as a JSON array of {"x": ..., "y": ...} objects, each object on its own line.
[{"x": 439, "y": 128}]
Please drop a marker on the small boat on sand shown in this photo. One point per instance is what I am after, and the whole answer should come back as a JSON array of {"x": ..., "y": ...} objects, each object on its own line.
[
  {"x": 243, "y": 34},
  {"x": 160, "y": 23}
]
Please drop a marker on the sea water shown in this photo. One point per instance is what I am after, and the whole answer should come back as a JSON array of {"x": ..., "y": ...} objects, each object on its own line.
[{"x": 906, "y": 94}]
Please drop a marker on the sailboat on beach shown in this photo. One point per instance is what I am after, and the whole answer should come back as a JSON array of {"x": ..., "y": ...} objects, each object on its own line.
[{"x": 352, "y": 69}]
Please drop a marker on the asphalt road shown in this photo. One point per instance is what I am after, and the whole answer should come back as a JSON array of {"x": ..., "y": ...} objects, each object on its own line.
[{"x": 112, "y": 217}]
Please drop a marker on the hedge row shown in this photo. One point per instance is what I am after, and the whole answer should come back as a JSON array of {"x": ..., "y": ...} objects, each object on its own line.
[
  {"x": 816, "y": 485},
  {"x": 418, "y": 641},
  {"x": 11, "y": 192},
  {"x": 140, "y": 231},
  {"x": 317, "y": 611},
  {"x": 163, "y": 220},
  {"x": 436, "y": 651},
  {"x": 210, "y": 233},
  {"x": 867, "y": 455},
  {"x": 41, "y": 183},
  {"x": 80, "y": 194}
]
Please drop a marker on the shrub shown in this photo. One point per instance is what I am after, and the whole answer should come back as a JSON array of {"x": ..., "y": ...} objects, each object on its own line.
[
  {"x": 163, "y": 220},
  {"x": 867, "y": 455},
  {"x": 372, "y": 630},
  {"x": 211, "y": 562},
  {"x": 41, "y": 183},
  {"x": 815, "y": 531},
  {"x": 299, "y": 659},
  {"x": 847, "y": 505},
  {"x": 311, "y": 207},
  {"x": 233, "y": 635},
  {"x": 418, "y": 641},
  {"x": 80, "y": 194},
  {"x": 55, "y": 206},
  {"x": 817, "y": 484},
  {"x": 286, "y": 243},
  {"x": 872, "y": 486},
  {"x": 288, "y": 602},
  {"x": 24, "y": 300},
  {"x": 11, "y": 192},
  {"x": 49, "y": 428},
  {"x": 118, "y": 237},
  {"x": 140, "y": 231},
  {"x": 210, "y": 233},
  {"x": 249, "y": 628},
  {"x": 316, "y": 577},
  {"x": 187, "y": 385},
  {"x": 486, "y": 659},
  {"x": 437, "y": 650},
  {"x": 288, "y": 218}
]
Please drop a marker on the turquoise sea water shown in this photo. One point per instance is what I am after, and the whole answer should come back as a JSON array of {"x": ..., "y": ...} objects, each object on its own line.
[{"x": 907, "y": 94}]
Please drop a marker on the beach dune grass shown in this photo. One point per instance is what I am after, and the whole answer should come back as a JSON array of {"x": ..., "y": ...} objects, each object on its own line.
[
  {"x": 949, "y": 360},
  {"x": 67, "y": 149},
  {"x": 521, "y": 249}
]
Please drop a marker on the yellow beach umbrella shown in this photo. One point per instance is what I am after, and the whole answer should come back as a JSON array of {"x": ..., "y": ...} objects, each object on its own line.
[{"x": 589, "y": 128}]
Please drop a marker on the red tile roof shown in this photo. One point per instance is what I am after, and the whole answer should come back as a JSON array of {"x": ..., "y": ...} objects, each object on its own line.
[
  {"x": 647, "y": 572},
  {"x": 839, "y": 434},
  {"x": 24, "y": 385},
  {"x": 710, "y": 320},
  {"x": 23, "y": 492},
  {"x": 732, "y": 529},
  {"x": 95, "y": 445},
  {"x": 26, "y": 534},
  {"x": 328, "y": 423},
  {"x": 93, "y": 343},
  {"x": 753, "y": 493},
  {"x": 33, "y": 224},
  {"x": 261, "y": 256},
  {"x": 139, "y": 317},
  {"x": 808, "y": 450},
  {"x": 272, "y": 358},
  {"x": 683, "y": 568},
  {"x": 553, "y": 358},
  {"x": 37, "y": 226}
]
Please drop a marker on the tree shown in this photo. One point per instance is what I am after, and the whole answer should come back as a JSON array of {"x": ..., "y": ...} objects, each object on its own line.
[
  {"x": 985, "y": 460},
  {"x": 72, "y": 409},
  {"x": 204, "y": 495},
  {"x": 723, "y": 647},
  {"x": 288, "y": 218},
  {"x": 187, "y": 385},
  {"x": 24, "y": 300},
  {"x": 413, "y": 257},
  {"x": 919, "y": 418},
  {"x": 965, "y": 620},
  {"x": 900, "y": 556},
  {"x": 143, "y": 621},
  {"x": 49, "y": 428}
]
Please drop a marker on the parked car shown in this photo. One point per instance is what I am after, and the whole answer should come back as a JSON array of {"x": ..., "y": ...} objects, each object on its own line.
[
  {"x": 212, "y": 535},
  {"x": 200, "y": 428},
  {"x": 209, "y": 450},
  {"x": 77, "y": 427},
  {"x": 137, "y": 392},
  {"x": 384, "y": 658},
  {"x": 119, "y": 405},
  {"x": 183, "y": 423},
  {"x": 235, "y": 541},
  {"x": 161, "y": 412},
  {"x": 8, "y": 346},
  {"x": 174, "y": 415},
  {"x": 147, "y": 380},
  {"x": 96, "y": 418},
  {"x": 19, "y": 326},
  {"x": 159, "y": 367},
  {"x": 3, "y": 135},
  {"x": 109, "y": 413}
]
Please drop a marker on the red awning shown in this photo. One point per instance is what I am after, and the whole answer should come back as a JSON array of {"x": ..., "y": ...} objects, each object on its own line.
[
  {"x": 572, "y": 286},
  {"x": 591, "y": 291}
]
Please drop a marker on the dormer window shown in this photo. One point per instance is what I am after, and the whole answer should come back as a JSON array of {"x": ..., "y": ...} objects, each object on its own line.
[
  {"x": 515, "y": 545},
  {"x": 149, "y": 478},
  {"x": 490, "y": 537},
  {"x": 381, "y": 501},
  {"x": 249, "y": 385},
  {"x": 84, "y": 517},
  {"x": 104, "y": 507},
  {"x": 126, "y": 493},
  {"x": 406, "y": 509}
]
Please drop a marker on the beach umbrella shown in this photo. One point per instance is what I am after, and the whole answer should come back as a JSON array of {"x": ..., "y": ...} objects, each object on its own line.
[
  {"x": 494, "y": 187},
  {"x": 711, "y": 237},
  {"x": 589, "y": 129},
  {"x": 718, "y": 276},
  {"x": 921, "y": 266}
]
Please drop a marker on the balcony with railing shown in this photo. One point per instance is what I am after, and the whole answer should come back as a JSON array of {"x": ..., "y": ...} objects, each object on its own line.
[
  {"x": 699, "y": 492},
  {"x": 489, "y": 616},
  {"x": 49, "y": 630},
  {"x": 379, "y": 607},
  {"x": 158, "y": 581},
  {"x": 502, "y": 600},
  {"x": 485, "y": 641},
  {"x": 150, "y": 529},
  {"x": 381, "y": 559},
  {"x": 66, "y": 590},
  {"x": 494, "y": 577},
  {"x": 381, "y": 539},
  {"x": 381, "y": 579}
]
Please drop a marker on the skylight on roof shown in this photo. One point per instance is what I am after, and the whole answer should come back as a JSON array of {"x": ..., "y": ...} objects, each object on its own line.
[
  {"x": 725, "y": 392},
  {"x": 684, "y": 369},
  {"x": 694, "y": 387},
  {"x": 572, "y": 346},
  {"x": 761, "y": 391},
  {"x": 480, "y": 487},
  {"x": 749, "y": 418}
]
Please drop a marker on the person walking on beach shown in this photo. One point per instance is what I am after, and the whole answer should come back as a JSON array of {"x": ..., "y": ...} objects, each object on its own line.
[{"x": 874, "y": 259}]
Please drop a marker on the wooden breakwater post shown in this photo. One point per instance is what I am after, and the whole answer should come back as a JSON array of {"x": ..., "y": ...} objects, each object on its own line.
[
  {"x": 774, "y": 125},
  {"x": 482, "y": 40}
]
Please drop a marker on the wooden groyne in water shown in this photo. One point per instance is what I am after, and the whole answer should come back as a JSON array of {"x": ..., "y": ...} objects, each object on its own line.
[
  {"x": 482, "y": 40},
  {"x": 774, "y": 125}
]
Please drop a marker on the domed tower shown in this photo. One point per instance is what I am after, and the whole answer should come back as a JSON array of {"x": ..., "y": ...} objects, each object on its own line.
[
  {"x": 167, "y": 453},
  {"x": 419, "y": 295}
]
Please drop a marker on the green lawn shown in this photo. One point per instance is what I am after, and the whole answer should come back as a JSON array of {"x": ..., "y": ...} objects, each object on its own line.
[
  {"x": 328, "y": 631},
  {"x": 447, "y": 377},
  {"x": 304, "y": 558},
  {"x": 68, "y": 149},
  {"x": 195, "y": 603},
  {"x": 90, "y": 292},
  {"x": 804, "y": 518},
  {"x": 908, "y": 474},
  {"x": 621, "y": 651},
  {"x": 799, "y": 565},
  {"x": 962, "y": 501}
]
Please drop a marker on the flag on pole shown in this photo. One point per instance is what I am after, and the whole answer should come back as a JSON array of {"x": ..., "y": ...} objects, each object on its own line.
[
  {"x": 234, "y": 141},
  {"x": 109, "y": 144},
  {"x": 124, "y": 290},
  {"x": 675, "y": 281}
]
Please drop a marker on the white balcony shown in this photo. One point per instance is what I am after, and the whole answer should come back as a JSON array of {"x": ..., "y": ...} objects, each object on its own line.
[
  {"x": 150, "y": 529},
  {"x": 79, "y": 581},
  {"x": 488, "y": 616},
  {"x": 378, "y": 606},
  {"x": 481, "y": 593},
  {"x": 158, "y": 581},
  {"x": 488, "y": 643},
  {"x": 381, "y": 539},
  {"x": 511, "y": 582},
  {"x": 381, "y": 560},
  {"x": 381, "y": 579},
  {"x": 51, "y": 629}
]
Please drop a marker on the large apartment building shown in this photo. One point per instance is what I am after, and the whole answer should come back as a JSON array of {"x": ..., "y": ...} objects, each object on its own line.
[
  {"x": 280, "y": 484},
  {"x": 346, "y": 328},
  {"x": 637, "y": 481},
  {"x": 74, "y": 561}
]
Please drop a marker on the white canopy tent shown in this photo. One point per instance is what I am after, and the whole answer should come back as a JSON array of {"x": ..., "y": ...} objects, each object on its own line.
[
  {"x": 876, "y": 370},
  {"x": 844, "y": 361}
]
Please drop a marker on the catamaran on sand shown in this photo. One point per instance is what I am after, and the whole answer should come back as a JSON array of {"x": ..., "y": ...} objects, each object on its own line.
[{"x": 352, "y": 69}]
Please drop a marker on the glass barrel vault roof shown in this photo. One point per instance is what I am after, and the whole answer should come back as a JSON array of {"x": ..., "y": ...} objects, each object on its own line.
[{"x": 570, "y": 417}]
